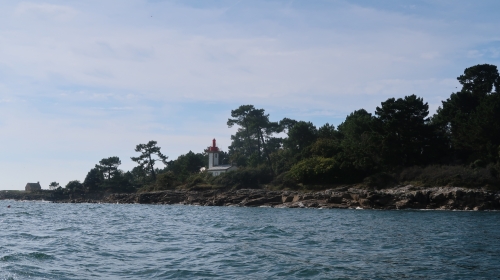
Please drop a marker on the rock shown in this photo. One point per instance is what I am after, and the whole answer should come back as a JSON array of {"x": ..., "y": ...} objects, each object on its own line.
[
  {"x": 402, "y": 204},
  {"x": 262, "y": 200},
  {"x": 365, "y": 203},
  {"x": 335, "y": 198},
  {"x": 400, "y": 197}
]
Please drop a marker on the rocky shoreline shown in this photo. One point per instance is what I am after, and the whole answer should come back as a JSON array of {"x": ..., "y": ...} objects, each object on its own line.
[{"x": 403, "y": 197}]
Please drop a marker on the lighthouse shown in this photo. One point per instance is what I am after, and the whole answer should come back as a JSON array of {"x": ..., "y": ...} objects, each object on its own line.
[
  {"x": 213, "y": 161},
  {"x": 213, "y": 155}
]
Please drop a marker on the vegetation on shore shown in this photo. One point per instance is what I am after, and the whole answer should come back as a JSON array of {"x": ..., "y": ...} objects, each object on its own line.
[{"x": 399, "y": 143}]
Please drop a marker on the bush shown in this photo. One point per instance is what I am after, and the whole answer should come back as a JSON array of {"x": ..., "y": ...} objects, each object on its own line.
[
  {"x": 248, "y": 177},
  {"x": 198, "y": 179},
  {"x": 166, "y": 180},
  {"x": 452, "y": 175},
  {"x": 315, "y": 170},
  {"x": 284, "y": 180},
  {"x": 380, "y": 180}
]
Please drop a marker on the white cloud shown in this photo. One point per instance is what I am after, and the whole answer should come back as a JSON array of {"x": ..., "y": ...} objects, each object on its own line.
[{"x": 45, "y": 11}]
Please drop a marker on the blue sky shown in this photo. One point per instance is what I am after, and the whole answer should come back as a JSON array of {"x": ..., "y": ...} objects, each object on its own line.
[{"x": 85, "y": 80}]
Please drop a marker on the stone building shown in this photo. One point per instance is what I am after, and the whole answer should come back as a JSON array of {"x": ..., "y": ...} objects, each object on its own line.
[{"x": 30, "y": 187}]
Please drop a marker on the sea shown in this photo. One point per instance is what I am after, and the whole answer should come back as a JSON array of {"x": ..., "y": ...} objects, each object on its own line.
[{"x": 41, "y": 240}]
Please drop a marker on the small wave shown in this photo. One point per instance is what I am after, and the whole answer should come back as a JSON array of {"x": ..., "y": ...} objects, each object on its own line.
[
  {"x": 30, "y": 256},
  {"x": 40, "y": 256},
  {"x": 33, "y": 237},
  {"x": 67, "y": 228}
]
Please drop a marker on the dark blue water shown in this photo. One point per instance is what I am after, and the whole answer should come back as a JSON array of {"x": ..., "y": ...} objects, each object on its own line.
[{"x": 108, "y": 241}]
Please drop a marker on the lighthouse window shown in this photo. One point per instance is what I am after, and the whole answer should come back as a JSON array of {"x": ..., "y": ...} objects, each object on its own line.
[{"x": 215, "y": 155}]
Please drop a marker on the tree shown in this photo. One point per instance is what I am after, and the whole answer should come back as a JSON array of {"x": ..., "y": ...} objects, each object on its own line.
[
  {"x": 360, "y": 141},
  {"x": 469, "y": 117},
  {"x": 146, "y": 160},
  {"x": 54, "y": 185},
  {"x": 253, "y": 139},
  {"x": 244, "y": 139},
  {"x": 93, "y": 179},
  {"x": 108, "y": 166},
  {"x": 327, "y": 131},
  {"x": 286, "y": 124},
  {"x": 403, "y": 129},
  {"x": 74, "y": 185},
  {"x": 301, "y": 135},
  {"x": 480, "y": 79},
  {"x": 138, "y": 175},
  {"x": 188, "y": 164}
]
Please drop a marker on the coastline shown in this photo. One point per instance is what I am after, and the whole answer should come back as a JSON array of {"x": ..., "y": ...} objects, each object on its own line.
[{"x": 403, "y": 197}]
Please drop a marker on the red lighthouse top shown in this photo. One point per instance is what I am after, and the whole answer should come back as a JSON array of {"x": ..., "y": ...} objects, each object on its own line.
[{"x": 213, "y": 148}]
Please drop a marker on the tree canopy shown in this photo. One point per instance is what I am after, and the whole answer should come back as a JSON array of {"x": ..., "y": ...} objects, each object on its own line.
[
  {"x": 398, "y": 135},
  {"x": 147, "y": 158}
]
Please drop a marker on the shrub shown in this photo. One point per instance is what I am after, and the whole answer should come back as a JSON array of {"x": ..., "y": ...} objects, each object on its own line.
[
  {"x": 453, "y": 175},
  {"x": 284, "y": 180},
  {"x": 248, "y": 177},
  {"x": 198, "y": 179},
  {"x": 166, "y": 180},
  {"x": 380, "y": 180},
  {"x": 315, "y": 170}
]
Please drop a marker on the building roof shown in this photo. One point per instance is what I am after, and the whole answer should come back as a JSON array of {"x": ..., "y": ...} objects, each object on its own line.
[
  {"x": 220, "y": 167},
  {"x": 33, "y": 185}
]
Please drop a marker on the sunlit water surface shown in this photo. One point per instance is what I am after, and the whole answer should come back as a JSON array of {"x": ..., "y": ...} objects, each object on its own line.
[{"x": 108, "y": 241}]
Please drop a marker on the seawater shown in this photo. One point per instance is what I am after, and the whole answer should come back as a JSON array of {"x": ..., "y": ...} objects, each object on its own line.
[{"x": 109, "y": 241}]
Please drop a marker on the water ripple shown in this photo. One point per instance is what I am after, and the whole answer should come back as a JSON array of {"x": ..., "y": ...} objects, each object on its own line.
[{"x": 88, "y": 241}]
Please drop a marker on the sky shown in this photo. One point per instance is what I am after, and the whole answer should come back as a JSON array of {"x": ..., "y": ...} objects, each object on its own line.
[{"x": 85, "y": 80}]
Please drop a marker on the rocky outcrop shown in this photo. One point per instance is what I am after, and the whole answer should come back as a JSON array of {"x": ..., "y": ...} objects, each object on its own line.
[{"x": 404, "y": 197}]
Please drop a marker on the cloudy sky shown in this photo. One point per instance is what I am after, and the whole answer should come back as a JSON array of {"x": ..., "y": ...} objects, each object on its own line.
[{"x": 85, "y": 80}]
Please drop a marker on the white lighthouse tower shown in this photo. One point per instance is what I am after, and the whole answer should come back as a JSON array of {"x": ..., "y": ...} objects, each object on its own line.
[
  {"x": 213, "y": 161},
  {"x": 213, "y": 155}
]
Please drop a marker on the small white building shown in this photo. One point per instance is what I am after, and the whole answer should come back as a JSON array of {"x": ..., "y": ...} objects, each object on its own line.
[{"x": 213, "y": 161}]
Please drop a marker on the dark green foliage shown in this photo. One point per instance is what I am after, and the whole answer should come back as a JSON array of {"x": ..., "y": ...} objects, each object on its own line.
[
  {"x": 301, "y": 135},
  {"x": 119, "y": 183},
  {"x": 54, "y": 185},
  {"x": 283, "y": 159},
  {"x": 361, "y": 142},
  {"x": 452, "y": 175},
  {"x": 324, "y": 147},
  {"x": 327, "y": 131},
  {"x": 93, "y": 180},
  {"x": 284, "y": 180},
  {"x": 138, "y": 176},
  {"x": 166, "y": 180},
  {"x": 146, "y": 160},
  {"x": 248, "y": 177},
  {"x": 469, "y": 118},
  {"x": 380, "y": 180},
  {"x": 254, "y": 138},
  {"x": 459, "y": 145},
  {"x": 316, "y": 170},
  {"x": 200, "y": 181},
  {"x": 74, "y": 186},
  {"x": 403, "y": 130},
  {"x": 190, "y": 163},
  {"x": 108, "y": 166},
  {"x": 480, "y": 79}
]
